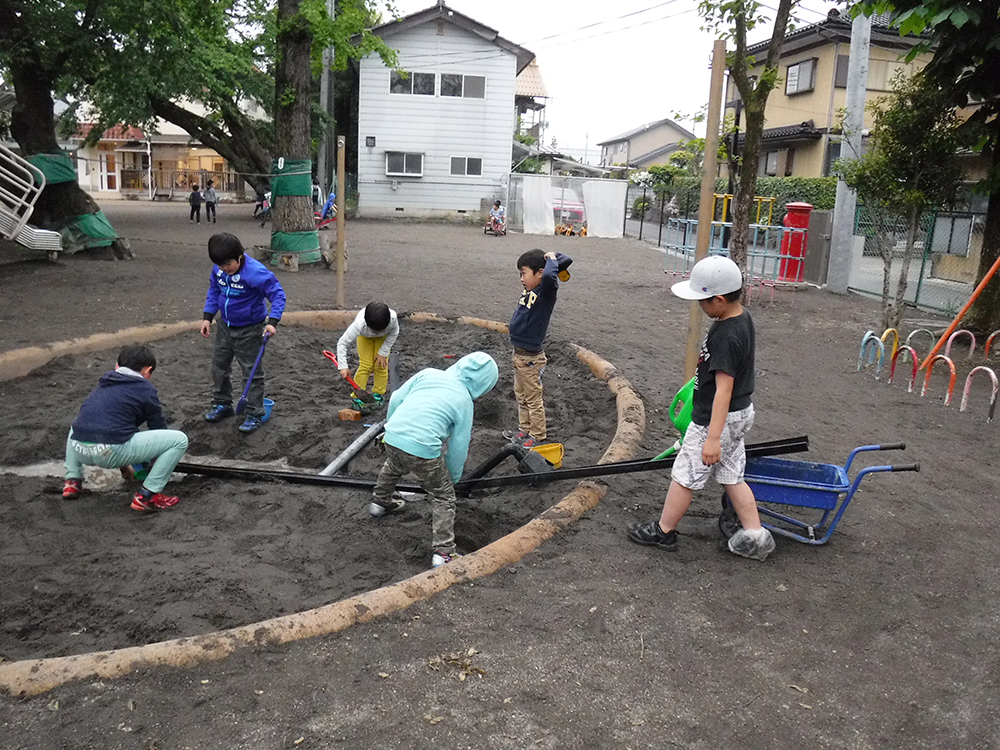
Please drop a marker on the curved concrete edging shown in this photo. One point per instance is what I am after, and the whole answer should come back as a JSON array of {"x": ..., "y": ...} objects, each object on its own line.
[{"x": 35, "y": 676}]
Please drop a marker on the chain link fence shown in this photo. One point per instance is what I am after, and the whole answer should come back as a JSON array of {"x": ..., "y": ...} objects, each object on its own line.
[{"x": 941, "y": 274}]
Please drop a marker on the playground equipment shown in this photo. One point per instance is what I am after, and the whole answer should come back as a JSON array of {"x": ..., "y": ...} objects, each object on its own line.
[
  {"x": 915, "y": 359},
  {"x": 968, "y": 385},
  {"x": 951, "y": 381},
  {"x": 872, "y": 351},
  {"x": 895, "y": 341},
  {"x": 960, "y": 332},
  {"x": 803, "y": 484},
  {"x": 989, "y": 343},
  {"x": 909, "y": 338},
  {"x": 20, "y": 185}
]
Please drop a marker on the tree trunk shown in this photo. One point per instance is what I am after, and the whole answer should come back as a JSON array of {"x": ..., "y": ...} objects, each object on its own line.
[
  {"x": 984, "y": 317},
  {"x": 747, "y": 185},
  {"x": 293, "y": 105},
  {"x": 912, "y": 222},
  {"x": 33, "y": 126}
]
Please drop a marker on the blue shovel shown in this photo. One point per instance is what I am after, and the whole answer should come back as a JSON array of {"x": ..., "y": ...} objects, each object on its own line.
[{"x": 241, "y": 406}]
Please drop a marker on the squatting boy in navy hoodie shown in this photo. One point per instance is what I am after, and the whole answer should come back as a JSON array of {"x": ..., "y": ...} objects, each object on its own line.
[
  {"x": 540, "y": 274},
  {"x": 106, "y": 431},
  {"x": 237, "y": 290}
]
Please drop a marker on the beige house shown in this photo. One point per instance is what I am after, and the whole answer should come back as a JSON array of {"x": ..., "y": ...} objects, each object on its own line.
[
  {"x": 644, "y": 146},
  {"x": 801, "y": 136}
]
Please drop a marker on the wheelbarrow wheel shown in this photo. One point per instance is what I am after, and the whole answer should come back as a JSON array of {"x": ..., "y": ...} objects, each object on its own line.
[{"x": 729, "y": 522}]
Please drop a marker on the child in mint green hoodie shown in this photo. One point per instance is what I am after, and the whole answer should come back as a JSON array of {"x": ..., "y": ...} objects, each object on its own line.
[{"x": 427, "y": 432}]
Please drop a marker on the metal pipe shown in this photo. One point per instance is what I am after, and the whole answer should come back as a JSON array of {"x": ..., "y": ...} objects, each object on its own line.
[
  {"x": 353, "y": 449},
  {"x": 772, "y": 448}
]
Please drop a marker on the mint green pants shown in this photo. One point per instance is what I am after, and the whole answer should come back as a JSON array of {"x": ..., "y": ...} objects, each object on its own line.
[{"x": 167, "y": 447}]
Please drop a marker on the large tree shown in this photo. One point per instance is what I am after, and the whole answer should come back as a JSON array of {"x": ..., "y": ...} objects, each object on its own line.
[
  {"x": 737, "y": 18},
  {"x": 910, "y": 167},
  {"x": 964, "y": 37}
]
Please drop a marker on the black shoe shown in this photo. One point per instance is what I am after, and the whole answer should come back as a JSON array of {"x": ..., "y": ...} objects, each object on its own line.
[{"x": 651, "y": 534}]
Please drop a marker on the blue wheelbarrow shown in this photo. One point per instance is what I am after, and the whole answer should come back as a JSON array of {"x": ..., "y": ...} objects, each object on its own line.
[{"x": 823, "y": 488}]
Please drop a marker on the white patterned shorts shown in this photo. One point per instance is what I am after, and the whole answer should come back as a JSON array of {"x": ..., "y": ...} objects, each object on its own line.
[{"x": 689, "y": 471}]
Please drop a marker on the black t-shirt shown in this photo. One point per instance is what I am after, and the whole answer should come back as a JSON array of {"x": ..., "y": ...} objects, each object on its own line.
[{"x": 729, "y": 347}]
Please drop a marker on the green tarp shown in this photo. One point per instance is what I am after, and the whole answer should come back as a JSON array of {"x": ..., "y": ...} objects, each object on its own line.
[
  {"x": 57, "y": 167},
  {"x": 87, "y": 231},
  {"x": 293, "y": 178}
]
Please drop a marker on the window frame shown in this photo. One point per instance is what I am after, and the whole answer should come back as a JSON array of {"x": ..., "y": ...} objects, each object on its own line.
[
  {"x": 465, "y": 166},
  {"x": 801, "y": 88},
  {"x": 462, "y": 77},
  {"x": 396, "y": 75},
  {"x": 404, "y": 173}
]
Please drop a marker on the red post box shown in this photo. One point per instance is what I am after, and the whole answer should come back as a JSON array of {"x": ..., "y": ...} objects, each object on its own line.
[{"x": 793, "y": 243}]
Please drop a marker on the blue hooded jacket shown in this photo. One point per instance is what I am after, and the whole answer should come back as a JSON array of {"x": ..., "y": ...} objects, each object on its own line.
[
  {"x": 113, "y": 412},
  {"x": 240, "y": 297},
  {"x": 435, "y": 406}
]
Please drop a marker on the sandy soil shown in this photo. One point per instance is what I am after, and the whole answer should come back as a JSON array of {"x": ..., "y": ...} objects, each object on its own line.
[{"x": 882, "y": 638}]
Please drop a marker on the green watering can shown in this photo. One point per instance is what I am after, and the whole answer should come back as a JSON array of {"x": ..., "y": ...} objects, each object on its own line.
[{"x": 680, "y": 414}]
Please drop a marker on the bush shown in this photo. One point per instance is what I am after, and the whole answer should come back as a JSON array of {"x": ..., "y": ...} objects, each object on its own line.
[
  {"x": 640, "y": 206},
  {"x": 819, "y": 192}
]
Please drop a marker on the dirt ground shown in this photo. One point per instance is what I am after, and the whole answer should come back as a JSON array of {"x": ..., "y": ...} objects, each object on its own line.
[{"x": 881, "y": 638}]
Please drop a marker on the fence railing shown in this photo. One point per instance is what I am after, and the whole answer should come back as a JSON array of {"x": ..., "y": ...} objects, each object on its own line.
[
  {"x": 774, "y": 253},
  {"x": 181, "y": 180}
]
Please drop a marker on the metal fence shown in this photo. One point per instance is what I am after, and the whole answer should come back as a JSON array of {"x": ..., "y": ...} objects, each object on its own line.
[
  {"x": 942, "y": 272},
  {"x": 180, "y": 181}
]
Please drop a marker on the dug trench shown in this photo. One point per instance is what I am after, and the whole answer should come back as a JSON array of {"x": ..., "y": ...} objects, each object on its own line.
[{"x": 91, "y": 574}]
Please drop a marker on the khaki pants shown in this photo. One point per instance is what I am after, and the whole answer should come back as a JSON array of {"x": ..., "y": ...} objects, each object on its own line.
[{"x": 528, "y": 392}]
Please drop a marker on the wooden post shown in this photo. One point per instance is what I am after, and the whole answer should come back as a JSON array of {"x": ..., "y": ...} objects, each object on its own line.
[
  {"x": 707, "y": 195},
  {"x": 341, "y": 219}
]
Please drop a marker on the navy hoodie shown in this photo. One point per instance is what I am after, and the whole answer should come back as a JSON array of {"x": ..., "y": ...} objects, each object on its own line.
[
  {"x": 530, "y": 321},
  {"x": 114, "y": 410}
]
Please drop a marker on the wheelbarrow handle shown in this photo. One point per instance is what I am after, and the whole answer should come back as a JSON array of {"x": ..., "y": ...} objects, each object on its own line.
[
  {"x": 892, "y": 447},
  {"x": 905, "y": 467}
]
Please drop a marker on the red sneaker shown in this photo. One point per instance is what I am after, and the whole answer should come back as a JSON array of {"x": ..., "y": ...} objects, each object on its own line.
[
  {"x": 156, "y": 501},
  {"x": 72, "y": 489}
]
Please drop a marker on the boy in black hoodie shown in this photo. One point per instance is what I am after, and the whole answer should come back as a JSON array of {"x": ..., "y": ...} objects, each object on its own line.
[
  {"x": 540, "y": 274},
  {"x": 106, "y": 431}
]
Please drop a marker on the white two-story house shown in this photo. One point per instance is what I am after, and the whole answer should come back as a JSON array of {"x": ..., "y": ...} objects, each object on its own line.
[{"x": 435, "y": 137}]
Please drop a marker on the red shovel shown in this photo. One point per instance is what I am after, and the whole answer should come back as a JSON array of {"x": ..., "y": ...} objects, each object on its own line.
[{"x": 360, "y": 392}]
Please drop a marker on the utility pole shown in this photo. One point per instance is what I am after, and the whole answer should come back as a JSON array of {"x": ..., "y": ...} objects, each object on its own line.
[
  {"x": 708, "y": 175},
  {"x": 842, "y": 234}
]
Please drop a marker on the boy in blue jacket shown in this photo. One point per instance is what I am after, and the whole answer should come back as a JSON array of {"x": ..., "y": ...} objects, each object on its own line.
[
  {"x": 106, "y": 431},
  {"x": 237, "y": 290},
  {"x": 427, "y": 432},
  {"x": 540, "y": 274}
]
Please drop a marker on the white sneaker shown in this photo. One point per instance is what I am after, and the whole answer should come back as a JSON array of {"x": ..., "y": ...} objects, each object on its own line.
[
  {"x": 440, "y": 558},
  {"x": 756, "y": 544},
  {"x": 377, "y": 511}
]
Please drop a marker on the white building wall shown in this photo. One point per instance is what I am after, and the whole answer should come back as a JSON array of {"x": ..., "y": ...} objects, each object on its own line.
[{"x": 438, "y": 127}]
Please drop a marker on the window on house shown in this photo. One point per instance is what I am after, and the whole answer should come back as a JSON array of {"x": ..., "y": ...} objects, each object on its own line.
[
  {"x": 881, "y": 73},
  {"x": 840, "y": 72},
  {"x": 401, "y": 164},
  {"x": 403, "y": 82},
  {"x": 466, "y": 165},
  {"x": 470, "y": 87},
  {"x": 771, "y": 163},
  {"x": 800, "y": 77}
]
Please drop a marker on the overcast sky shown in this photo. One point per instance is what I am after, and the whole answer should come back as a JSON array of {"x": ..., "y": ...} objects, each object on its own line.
[{"x": 609, "y": 66}]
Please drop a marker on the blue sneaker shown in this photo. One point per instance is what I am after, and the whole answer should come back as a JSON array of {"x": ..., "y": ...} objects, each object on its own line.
[
  {"x": 250, "y": 424},
  {"x": 219, "y": 411}
]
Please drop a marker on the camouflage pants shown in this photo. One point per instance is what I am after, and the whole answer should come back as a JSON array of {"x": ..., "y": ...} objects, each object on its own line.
[{"x": 431, "y": 474}]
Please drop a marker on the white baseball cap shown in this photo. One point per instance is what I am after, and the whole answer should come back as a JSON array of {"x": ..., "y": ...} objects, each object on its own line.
[{"x": 710, "y": 276}]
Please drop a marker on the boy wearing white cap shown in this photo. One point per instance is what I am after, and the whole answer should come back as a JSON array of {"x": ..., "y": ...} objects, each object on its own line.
[{"x": 722, "y": 414}]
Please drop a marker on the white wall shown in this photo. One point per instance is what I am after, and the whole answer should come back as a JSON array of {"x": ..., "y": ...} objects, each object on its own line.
[{"x": 439, "y": 127}]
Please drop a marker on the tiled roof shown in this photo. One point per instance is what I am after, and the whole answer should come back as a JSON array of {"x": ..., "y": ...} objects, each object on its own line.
[{"x": 529, "y": 81}]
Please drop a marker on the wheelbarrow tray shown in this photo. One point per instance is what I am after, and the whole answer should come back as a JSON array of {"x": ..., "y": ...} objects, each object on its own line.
[{"x": 802, "y": 483}]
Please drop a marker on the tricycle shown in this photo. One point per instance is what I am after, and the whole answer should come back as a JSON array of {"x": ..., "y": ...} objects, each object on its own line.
[{"x": 825, "y": 488}]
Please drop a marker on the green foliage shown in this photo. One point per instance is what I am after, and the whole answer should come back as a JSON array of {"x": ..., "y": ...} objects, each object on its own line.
[
  {"x": 819, "y": 192},
  {"x": 910, "y": 163},
  {"x": 527, "y": 140},
  {"x": 640, "y": 206},
  {"x": 531, "y": 165}
]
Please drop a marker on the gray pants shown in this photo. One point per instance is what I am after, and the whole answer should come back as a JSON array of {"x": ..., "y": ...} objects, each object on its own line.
[
  {"x": 431, "y": 474},
  {"x": 243, "y": 344}
]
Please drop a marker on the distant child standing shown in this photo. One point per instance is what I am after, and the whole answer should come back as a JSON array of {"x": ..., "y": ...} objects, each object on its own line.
[
  {"x": 237, "y": 291},
  {"x": 375, "y": 330},
  {"x": 195, "y": 200},
  {"x": 721, "y": 417},
  {"x": 106, "y": 431},
  {"x": 427, "y": 432},
  {"x": 540, "y": 273},
  {"x": 211, "y": 198}
]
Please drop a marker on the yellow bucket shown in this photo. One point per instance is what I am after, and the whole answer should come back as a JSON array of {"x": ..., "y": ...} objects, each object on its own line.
[{"x": 551, "y": 452}]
